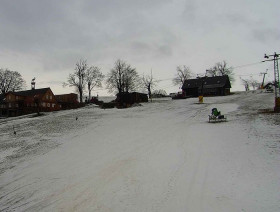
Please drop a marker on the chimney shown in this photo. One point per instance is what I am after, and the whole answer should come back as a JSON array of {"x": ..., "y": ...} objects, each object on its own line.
[{"x": 33, "y": 84}]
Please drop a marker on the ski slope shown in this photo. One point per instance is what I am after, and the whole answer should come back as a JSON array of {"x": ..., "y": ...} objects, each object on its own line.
[{"x": 162, "y": 156}]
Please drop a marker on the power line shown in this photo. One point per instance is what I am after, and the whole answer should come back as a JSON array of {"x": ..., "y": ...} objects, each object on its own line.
[
  {"x": 240, "y": 66},
  {"x": 244, "y": 75},
  {"x": 250, "y": 64},
  {"x": 164, "y": 79}
]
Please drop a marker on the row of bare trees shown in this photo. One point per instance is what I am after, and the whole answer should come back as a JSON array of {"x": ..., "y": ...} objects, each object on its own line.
[
  {"x": 122, "y": 78},
  {"x": 255, "y": 84},
  {"x": 85, "y": 76}
]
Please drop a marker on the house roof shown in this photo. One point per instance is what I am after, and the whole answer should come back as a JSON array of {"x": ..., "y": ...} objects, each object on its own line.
[
  {"x": 66, "y": 94},
  {"x": 139, "y": 93},
  {"x": 208, "y": 82},
  {"x": 32, "y": 92}
]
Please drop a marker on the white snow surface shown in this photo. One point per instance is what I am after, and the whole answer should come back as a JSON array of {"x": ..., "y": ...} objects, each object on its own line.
[{"x": 161, "y": 156}]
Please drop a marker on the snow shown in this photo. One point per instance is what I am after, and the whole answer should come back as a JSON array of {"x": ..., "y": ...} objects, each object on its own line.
[{"x": 161, "y": 156}]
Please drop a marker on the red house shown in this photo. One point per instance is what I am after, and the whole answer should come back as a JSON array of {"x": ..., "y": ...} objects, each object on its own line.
[{"x": 29, "y": 101}]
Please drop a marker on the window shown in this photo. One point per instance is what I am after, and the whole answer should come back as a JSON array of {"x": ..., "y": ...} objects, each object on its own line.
[
  {"x": 53, "y": 105},
  {"x": 48, "y": 105},
  {"x": 50, "y": 96},
  {"x": 44, "y": 104},
  {"x": 47, "y": 97},
  {"x": 16, "y": 105},
  {"x": 16, "y": 97},
  {"x": 10, "y": 104}
]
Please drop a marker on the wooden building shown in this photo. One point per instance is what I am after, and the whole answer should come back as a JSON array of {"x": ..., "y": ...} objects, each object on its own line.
[
  {"x": 28, "y": 101},
  {"x": 67, "y": 101},
  {"x": 207, "y": 86}
]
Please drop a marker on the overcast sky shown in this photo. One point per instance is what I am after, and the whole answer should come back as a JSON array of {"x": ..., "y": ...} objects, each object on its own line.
[{"x": 45, "y": 39}]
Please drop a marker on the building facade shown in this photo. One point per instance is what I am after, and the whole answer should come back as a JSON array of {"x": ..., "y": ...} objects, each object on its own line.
[
  {"x": 67, "y": 101},
  {"x": 28, "y": 101},
  {"x": 207, "y": 86}
]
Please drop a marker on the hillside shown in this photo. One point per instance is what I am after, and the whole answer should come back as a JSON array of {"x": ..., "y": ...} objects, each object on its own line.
[{"x": 162, "y": 156}]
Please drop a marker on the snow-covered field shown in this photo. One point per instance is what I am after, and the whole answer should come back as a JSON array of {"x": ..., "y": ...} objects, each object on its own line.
[{"x": 162, "y": 156}]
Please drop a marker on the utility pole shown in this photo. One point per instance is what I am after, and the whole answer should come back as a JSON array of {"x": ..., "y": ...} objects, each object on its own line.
[
  {"x": 276, "y": 79},
  {"x": 264, "y": 73},
  {"x": 149, "y": 86}
]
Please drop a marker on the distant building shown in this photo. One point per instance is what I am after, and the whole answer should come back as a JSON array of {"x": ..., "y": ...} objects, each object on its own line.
[
  {"x": 207, "y": 86},
  {"x": 128, "y": 99},
  {"x": 2, "y": 103},
  {"x": 28, "y": 101},
  {"x": 67, "y": 101}
]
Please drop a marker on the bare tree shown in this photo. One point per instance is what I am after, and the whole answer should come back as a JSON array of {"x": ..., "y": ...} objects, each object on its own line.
[
  {"x": 115, "y": 77},
  {"x": 246, "y": 83},
  {"x": 182, "y": 74},
  {"x": 93, "y": 78},
  {"x": 149, "y": 83},
  {"x": 10, "y": 81},
  {"x": 122, "y": 78},
  {"x": 254, "y": 83},
  {"x": 221, "y": 69},
  {"x": 77, "y": 79},
  {"x": 131, "y": 79}
]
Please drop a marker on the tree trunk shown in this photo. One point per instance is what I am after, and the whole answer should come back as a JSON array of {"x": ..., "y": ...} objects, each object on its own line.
[
  {"x": 89, "y": 92},
  {"x": 81, "y": 95},
  {"x": 149, "y": 92}
]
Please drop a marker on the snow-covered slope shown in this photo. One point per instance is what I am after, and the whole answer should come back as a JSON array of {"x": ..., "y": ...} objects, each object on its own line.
[{"x": 163, "y": 156}]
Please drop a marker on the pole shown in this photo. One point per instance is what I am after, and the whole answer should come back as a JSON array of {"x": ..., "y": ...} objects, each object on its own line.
[
  {"x": 277, "y": 85},
  {"x": 262, "y": 86},
  {"x": 276, "y": 75},
  {"x": 276, "y": 79}
]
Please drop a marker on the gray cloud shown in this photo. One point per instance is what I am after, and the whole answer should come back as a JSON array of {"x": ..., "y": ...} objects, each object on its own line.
[
  {"x": 50, "y": 36},
  {"x": 266, "y": 34},
  {"x": 190, "y": 11},
  {"x": 141, "y": 47},
  {"x": 60, "y": 31}
]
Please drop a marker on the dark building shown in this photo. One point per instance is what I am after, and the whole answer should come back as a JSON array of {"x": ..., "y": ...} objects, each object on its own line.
[
  {"x": 207, "y": 86},
  {"x": 68, "y": 101},
  {"x": 128, "y": 99},
  {"x": 2, "y": 105}
]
